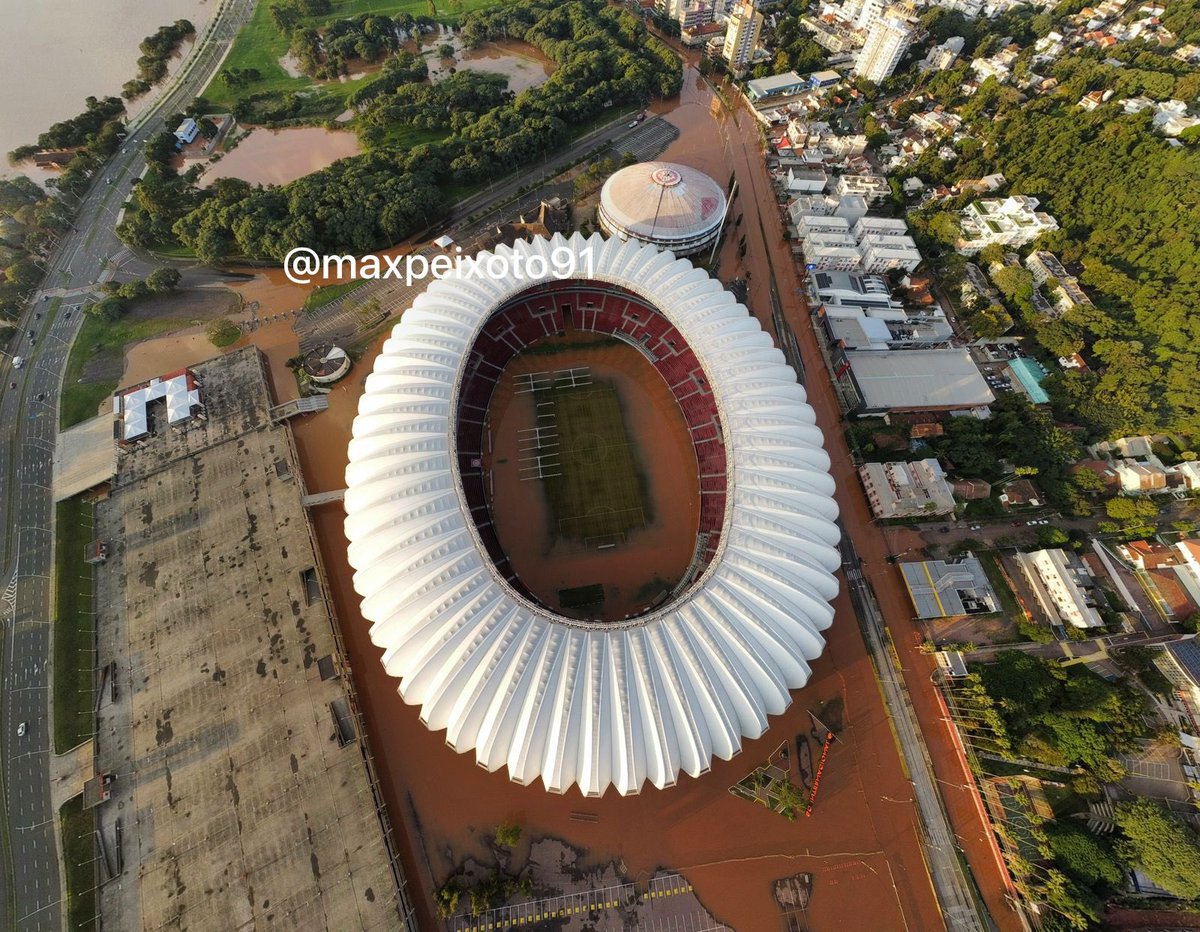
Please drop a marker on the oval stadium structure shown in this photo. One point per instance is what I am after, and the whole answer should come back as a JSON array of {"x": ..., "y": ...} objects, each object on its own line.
[
  {"x": 582, "y": 701},
  {"x": 663, "y": 204}
]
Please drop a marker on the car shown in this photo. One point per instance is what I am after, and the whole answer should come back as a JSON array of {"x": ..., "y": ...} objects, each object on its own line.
[
  {"x": 41, "y": 396},
  {"x": 1044, "y": 521},
  {"x": 37, "y": 316},
  {"x": 12, "y": 384},
  {"x": 632, "y": 125},
  {"x": 21, "y": 729},
  {"x": 976, "y": 527},
  {"x": 640, "y": 117},
  {"x": 943, "y": 530},
  {"x": 1016, "y": 524}
]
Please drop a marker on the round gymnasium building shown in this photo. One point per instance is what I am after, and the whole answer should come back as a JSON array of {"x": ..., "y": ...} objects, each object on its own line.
[
  {"x": 663, "y": 204},
  {"x": 591, "y": 518}
]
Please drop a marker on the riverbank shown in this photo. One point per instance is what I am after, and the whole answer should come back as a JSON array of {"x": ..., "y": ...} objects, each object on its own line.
[{"x": 101, "y": 40}]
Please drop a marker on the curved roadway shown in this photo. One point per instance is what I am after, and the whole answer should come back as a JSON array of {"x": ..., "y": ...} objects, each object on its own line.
[{"x": 30, "y": 876}]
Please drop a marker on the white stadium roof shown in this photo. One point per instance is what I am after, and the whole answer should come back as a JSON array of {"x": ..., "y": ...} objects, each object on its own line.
[{"x": 573, "y": 702}]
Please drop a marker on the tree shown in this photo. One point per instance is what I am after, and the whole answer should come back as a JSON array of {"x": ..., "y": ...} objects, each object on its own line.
[
  {"x": 1162, "y": 843},
  {"x": 1016, "y": 284},
  {"x": 110, "y": 309},
  {"x": 24, "y": 273},
  {"x": 508, "y": 834},
  {"x": 1052, "y": 536},
  {"x": 223, "y": 332},
  {"x": 162, "y": 281},
  {"x": 1192, "y": 623}
]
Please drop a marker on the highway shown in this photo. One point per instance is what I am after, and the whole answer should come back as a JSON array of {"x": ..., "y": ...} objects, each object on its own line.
[{"x": 30, "y": 871}]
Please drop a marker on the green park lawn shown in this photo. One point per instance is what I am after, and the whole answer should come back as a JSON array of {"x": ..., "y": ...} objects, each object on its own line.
[
  {"x": 260, "y": 46},
  {"x": 99, "y": 338}
]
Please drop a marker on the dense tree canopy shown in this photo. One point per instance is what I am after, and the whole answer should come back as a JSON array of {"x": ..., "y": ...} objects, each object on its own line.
[
  {"x": 605, "y": 57},
  {"x": 1060, "y": 716},
  {"x": 1129, "y": 209},
  {"x": 1163, "y": 844}
]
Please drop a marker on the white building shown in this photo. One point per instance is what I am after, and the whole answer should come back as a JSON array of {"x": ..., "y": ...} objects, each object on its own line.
[
  {"x": 907, "y": 490},
  {"x": 1009, "y": 221},
  {"x": 871, "y": 187},
  {"x": 851, "y": 207},
  {"x": 557, "y": 700},
  {"x": 942, "y": 56},
  {"x": 741, "y": 36},
  {"x": 888, "y": 40},
  {"x": 187, "y": 131},
  {"x": 1188, "y": 567},
  {"x": 1062, "y": 587},
  {"x": 867, "y": 291}
]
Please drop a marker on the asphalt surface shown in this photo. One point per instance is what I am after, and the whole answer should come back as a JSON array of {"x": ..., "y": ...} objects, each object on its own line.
[{"x": 30, "y": 878}]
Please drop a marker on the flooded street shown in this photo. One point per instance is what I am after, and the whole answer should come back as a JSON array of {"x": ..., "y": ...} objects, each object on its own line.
[
  {"x": 55, "y": 53},
  {"x": 277, "y": 156}
]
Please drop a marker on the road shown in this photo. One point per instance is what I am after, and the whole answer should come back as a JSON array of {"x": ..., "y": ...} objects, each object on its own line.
[
  {"x": 949, "y": 820},
  {"x": 30, "y": 875},
  {"x": 941, "y": 852}
]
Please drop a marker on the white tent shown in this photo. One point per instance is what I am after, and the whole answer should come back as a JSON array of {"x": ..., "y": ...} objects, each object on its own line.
[{"x": 181, "y": 394}]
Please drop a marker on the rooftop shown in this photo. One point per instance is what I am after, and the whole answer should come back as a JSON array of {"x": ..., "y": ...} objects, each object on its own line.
[
  {"x": 934, "y": 378},
  {"x": 244, "y": 783},
  {"x": 940, "y": 590}
]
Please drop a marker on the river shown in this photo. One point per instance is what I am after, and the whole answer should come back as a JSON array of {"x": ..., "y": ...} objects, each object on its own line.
[{"x": 54, "y": 53}]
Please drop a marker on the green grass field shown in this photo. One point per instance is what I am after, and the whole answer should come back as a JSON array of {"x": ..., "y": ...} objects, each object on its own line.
[
  {"x": 78, "y": 828},
  {"x": 260, "y": 46},
  {"x": 74, "y": 625},
  {"x": 98, "y": 338},
  {"x": 601, "y": 495}
]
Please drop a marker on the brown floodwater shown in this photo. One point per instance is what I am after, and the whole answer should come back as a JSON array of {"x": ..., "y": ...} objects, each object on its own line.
[
  {"x": 277, "y": 156},
  {"x": 524, "y": 65},
  {"x": 652, "y": 558},
  {"x": 863, "y": 838}
]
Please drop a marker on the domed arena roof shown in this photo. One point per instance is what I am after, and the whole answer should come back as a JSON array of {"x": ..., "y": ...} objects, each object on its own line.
[
  {"x": 662, "y": 201},
  {"x": 575, "y": 702}
]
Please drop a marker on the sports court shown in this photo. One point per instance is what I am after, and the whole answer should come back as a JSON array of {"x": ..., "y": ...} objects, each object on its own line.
[{"x": 592, "y": 477}]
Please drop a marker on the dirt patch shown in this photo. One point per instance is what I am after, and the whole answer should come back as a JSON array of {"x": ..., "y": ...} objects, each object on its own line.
[{"x": 973, "y": 629}]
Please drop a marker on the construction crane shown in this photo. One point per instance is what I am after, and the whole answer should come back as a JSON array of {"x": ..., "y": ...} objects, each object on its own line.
[{"x": 829, "y": 739}]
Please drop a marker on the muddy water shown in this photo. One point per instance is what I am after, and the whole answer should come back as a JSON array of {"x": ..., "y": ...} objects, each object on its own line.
[
  {"x": 277, "y": 156},
  {"x": 653, "y": 558},
  {"x": 55, "y": 53},
  {"x": 862, "y": 838},
  {"x": 524, "y": 65}
]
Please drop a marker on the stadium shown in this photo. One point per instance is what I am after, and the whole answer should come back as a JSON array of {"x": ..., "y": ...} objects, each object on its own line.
[
  {"x": 591, "y": 519},
  {"x": 663, "y": 204}
]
